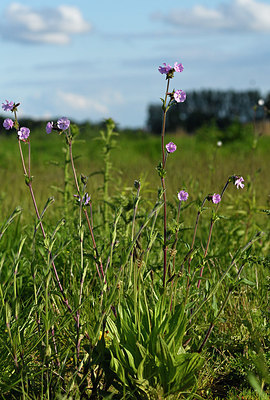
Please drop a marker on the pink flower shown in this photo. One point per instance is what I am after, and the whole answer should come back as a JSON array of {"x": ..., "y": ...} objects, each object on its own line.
[
  {"x": 239, "y": 182},
  {"x": 171, "y": 147},
  {"x": 179, "y": 96},
  {"x": 49, "y": 127},
  {"x": 165, "y": 69},
  {"x": 8, "y": 123},
  {"x": 182, "y": 195},
  {"x": 8, "y": 106},
  {"x": 63, "y": 123},
  {"x": 178, "y": 67},
  {"x": 23, "y": 133},
  {"x": 216, "y": 198}
]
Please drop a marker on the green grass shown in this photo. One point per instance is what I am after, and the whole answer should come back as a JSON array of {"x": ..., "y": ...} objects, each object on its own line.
[
  {"x": 197, "y": 165},
  {"x": 132, "y": 331}
]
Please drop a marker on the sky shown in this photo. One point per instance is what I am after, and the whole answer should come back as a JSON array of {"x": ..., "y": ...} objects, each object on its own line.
[{"x": 91, "y": 60}]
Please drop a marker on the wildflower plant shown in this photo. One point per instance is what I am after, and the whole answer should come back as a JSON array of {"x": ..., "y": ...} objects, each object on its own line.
[
  {"x": 169, "y": 99},
  {"x": 110, "y": 321}
]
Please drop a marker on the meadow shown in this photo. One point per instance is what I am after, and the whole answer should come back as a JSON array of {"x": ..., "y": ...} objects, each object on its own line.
[{"x": 126, "y": 277}]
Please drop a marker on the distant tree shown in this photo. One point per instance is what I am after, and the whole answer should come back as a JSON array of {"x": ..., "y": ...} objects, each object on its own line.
[{"x": 204, "y": 106}]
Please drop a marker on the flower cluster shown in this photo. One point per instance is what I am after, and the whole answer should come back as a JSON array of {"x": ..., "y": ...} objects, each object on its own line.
[
  {"x": 61, "y": 125},
  {"x": 23, "y": 132},
  {"x": 178, "y": 67},
  {"x": 177, "y": 95}
]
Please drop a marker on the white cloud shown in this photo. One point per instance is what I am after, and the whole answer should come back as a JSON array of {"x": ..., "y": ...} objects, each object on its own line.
[
  {"x": 78, "y": 102},
  {"x": 46, "y": 25},
  {"x": 238, "y": 15}
]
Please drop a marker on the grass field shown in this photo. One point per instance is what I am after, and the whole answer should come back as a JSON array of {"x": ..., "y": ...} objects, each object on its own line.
[
  {"x": 198, "y": 165},
  {"x": 69, "y": 334}
]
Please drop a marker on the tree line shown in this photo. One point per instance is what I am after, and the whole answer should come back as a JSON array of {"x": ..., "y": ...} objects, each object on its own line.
[{"x": 204, "y": 106}]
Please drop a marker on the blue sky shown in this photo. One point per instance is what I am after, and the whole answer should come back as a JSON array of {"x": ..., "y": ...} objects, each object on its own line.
[{"x": 92, "y": 60}]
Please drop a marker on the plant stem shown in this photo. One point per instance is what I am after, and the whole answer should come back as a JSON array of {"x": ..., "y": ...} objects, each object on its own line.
[
  {"x": 192, "y": 244},
  {"x": 136, "y": 202},
  {"x": 29, "y": 184},
  {"x": 164, "y": 189},
  {"x": 176, "y": 236},
  {"x": 213, "y": 220},
  {"x": 98, "y": 261}
]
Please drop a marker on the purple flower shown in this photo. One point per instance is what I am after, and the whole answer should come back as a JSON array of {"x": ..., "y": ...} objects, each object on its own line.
[
  {"x": 63, "y": 123},
  {"x": 239, "y": 182},
  {"x": 23, "y": 133},
  {"x": 178, "y": 67},
  {"x": 216, "y": 198},
  {"x": 8, "y": 106},
  {"x": 182, "y": 195},
  {"x": 85, "y": 199},
  {"x": 49, "y": 127},
  {"x": 179, "y": 96},
  {"x": 165, "y": 69},
  {"x": 171, "y": 147},
  {"x": 8, "y": 123}
]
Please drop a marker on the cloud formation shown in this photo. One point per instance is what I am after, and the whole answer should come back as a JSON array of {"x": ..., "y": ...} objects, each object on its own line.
[
  {"x": 75, "y": 101},
  {"x": 46, "y": 25},
  {"x": 237, "y": 16}
]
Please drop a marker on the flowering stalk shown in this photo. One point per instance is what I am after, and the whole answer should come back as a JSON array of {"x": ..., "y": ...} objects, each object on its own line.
[
  {"x": 192, "y": 244},
  {"x": 175, "y": 96},
  {"x": 78, "y": 341},
  {"x": 216, "y": 199},
  {"x": 23, "y": 135},
  {"x": 63, "y": 124},
  {"x": 164, "y": 191},
  {"x": 182, "y": 196}
]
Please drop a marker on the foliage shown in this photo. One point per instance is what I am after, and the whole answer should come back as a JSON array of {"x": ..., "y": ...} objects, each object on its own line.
[
  {"x": 147, "y": 355},
  {"x": 222, "y": 107}
]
